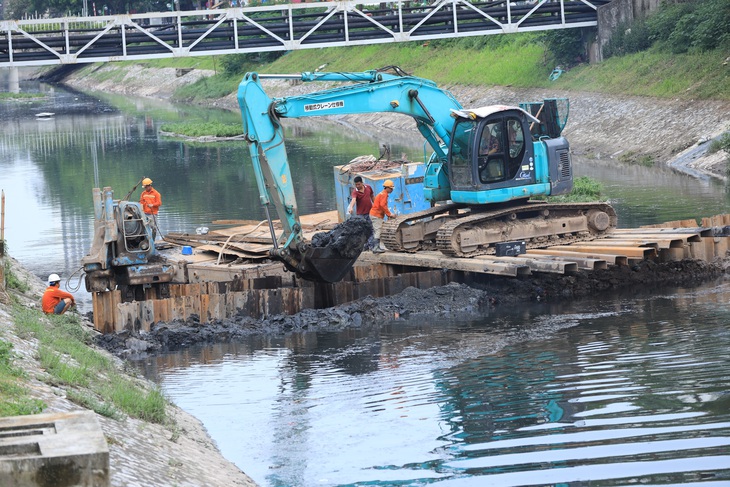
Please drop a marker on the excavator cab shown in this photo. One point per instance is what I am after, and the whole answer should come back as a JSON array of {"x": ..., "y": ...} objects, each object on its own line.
[{"x": 492, "y": 157}]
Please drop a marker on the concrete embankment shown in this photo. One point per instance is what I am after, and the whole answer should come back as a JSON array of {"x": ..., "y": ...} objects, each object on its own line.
[
  {"x": 141, "y": 454},
  {"x": 606, "y": 127}
]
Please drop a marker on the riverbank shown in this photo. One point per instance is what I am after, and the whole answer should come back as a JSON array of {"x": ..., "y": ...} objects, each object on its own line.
[
  {"x": 624, "y": 129},
  {"x": 141, "y": 454}
]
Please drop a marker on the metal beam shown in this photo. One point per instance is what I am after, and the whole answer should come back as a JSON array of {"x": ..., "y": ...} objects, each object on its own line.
[{"x": 75, "y": 40}]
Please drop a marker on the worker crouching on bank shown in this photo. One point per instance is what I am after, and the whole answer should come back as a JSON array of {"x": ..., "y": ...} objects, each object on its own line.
[
  {"x": 378, "y": 213},
  {"x": 55, "y": 301}
]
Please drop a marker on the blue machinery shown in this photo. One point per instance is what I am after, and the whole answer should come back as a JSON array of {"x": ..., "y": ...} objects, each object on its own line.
[{"x": 528, "y": 157}]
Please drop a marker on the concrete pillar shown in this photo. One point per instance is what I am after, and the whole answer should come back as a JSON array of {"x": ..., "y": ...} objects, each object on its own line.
[
  {"x": 13, "y": 80},
  {"x": 610, "y": 16}
]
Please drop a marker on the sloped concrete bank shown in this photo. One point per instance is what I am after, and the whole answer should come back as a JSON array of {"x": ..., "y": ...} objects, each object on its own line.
[
  {"x": 141, "y": 454},
  {"x": 675, "y": 132}
]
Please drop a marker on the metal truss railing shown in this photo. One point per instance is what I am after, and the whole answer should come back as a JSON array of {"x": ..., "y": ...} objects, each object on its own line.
[{"x": 286, "y": 27}]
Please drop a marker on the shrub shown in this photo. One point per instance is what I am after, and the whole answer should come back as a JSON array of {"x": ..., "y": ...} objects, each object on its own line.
[{"x": 563, "y": 47}]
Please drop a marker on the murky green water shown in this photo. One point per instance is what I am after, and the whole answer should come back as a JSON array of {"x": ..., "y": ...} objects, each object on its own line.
[{"x": 614, "y": 390}]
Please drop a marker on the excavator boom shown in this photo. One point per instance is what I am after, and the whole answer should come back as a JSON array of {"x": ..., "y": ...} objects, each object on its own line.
[{"x": 486, "y": 164}]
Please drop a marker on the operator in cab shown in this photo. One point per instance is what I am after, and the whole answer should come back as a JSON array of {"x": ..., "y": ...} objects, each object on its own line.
[{"x": 151, "y": 201}]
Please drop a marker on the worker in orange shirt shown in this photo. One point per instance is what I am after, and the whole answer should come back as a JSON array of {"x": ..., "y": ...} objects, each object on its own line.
[
  {"x": 378, "y": 213},
  {"x": 151, "y": 201},
  {"x": 55, "y": 301}
]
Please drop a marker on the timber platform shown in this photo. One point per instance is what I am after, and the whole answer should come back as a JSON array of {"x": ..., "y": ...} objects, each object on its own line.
[{"x": 227, "y": 272}]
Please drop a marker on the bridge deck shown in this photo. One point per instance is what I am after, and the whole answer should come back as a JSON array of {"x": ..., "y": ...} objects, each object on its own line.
[{"x": 73, "y": 40}]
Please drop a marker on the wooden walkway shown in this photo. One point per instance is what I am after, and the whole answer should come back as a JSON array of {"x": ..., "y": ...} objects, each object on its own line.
[{"x": 228, "y": 272}]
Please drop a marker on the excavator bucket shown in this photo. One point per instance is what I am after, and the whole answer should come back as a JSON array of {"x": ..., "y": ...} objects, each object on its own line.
[
  {"x": 332, "y": 254},
  {"x": 325, "y": 265}
]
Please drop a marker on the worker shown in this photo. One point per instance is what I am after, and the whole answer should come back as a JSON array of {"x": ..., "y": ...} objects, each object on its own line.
[
  {"x": 151, "y": 201},
  {"x": 489, "y": 143},
  {"x": 361, "y": 199},
  {"x": 55, "y": 301},
  {"x": 378, "y": 213}
]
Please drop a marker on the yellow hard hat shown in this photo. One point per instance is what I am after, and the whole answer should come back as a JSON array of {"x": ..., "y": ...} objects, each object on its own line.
[
  {"x": 146, "y": 182},
  {"x": 388, "y": 184}
]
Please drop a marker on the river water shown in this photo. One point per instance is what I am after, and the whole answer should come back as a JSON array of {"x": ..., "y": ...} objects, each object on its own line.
[{"x": 613, "y": 390}]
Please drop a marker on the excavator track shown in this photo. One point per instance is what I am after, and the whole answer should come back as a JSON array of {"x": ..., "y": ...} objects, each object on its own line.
[
  {"x": 474, "y": 232},
  {"x": 417, "y": 231}
]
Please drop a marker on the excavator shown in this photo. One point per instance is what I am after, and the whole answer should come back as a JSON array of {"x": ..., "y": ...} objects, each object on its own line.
[{"x": 487, "y": 165}]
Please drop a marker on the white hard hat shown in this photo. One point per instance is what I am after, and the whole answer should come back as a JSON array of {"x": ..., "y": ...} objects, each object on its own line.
[{"x": 54, "y": 278}]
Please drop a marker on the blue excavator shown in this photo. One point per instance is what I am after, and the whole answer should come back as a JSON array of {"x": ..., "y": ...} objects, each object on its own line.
[{"x": 487, "y": 165}]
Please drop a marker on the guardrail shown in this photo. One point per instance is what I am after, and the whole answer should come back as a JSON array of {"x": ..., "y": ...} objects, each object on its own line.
[{"x": 286, "y": 27}]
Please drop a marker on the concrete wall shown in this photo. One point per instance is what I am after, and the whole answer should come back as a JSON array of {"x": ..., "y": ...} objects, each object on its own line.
[{"x": 611, "y": 15}]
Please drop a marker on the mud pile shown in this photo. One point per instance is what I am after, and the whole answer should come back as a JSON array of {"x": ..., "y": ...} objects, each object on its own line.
[
  {"x": 453, "y": 300},
  {"x": 348, "y": 238}
]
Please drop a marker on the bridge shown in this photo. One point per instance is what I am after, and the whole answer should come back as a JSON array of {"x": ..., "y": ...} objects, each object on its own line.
[{"x": 284, "y": 27}]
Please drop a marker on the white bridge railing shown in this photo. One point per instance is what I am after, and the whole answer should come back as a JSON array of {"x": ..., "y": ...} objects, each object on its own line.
[{"x": 73, "y": 40}]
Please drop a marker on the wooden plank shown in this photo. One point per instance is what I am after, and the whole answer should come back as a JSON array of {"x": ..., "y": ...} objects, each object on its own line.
[
  {"x": 586, "y": 263},
  {"x": 162, "y": 309},
  {"x": 437, "y": 260},
  {"x": 721, "y": 246},
  {"x": 631, "y": 252},
  {"x": 676, "y": 223},
  {"x": 535, "y": 264},
  {"x": 146, "y": 315},
  {"x": 609, "y": 258}
]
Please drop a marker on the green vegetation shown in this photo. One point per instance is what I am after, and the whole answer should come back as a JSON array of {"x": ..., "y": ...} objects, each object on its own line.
[
  {"x": 12, "y": 281},
  {"x": 15, "y": 398},
  {"x": 215, "y": 129},
  {"x": 670, "y": 54},
  {"x": 90, "y": 377},
  {"x": 723, "y": 143},
  {"x": 584, "y": 189},
  {"x": 20, "y": 96},
  {"x": 632, "y": 157}
]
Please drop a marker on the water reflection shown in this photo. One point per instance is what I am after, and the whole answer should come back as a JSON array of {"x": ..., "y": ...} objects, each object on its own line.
[{"x": 616, "y": 391}]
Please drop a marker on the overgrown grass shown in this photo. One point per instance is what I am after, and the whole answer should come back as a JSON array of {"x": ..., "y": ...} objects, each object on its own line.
[
  {"x": 519, "y": 62},
  {"x": 636, "y": 159},
  {"x": 216, "y": 86},
  {"x": 584, "y": 189},
  {"x": 15, "y": 399},
  {"x": 20, "y": 96},
  {"x": 216, "y": 129},
  {"x": 13, "y": 282},
  {"x": 90, "y": 377}
]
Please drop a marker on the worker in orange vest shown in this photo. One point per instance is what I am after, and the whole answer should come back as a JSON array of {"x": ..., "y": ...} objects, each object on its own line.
[
  {"x": 151, "y": 201},
  {"x": 55, "y": 301}
]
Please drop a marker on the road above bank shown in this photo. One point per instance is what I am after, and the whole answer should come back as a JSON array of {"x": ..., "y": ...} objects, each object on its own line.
[{"x": 674, "y": 132}]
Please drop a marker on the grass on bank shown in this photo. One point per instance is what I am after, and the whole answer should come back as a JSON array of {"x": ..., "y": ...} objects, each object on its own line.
[
  {"x": 15, "y": 399},
  {"x": 215, "y": 129},
  {"x": 584, "y": 189},
  {"x": 89, "y": 377},
  {"x": 20, "y": 96},
  {"x": 520, "y": 63}
]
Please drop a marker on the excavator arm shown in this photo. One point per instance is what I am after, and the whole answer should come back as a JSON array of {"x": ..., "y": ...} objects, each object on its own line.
[{"x": 373, "y": 92}]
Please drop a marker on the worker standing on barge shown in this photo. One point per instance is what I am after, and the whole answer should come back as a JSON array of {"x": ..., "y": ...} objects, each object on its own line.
[
  {"x": 378, "y": 213},
  {"x": 151, "y": 201}
]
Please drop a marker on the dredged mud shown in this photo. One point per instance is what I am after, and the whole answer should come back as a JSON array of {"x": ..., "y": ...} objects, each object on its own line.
[
  {"x": 347, "y": 238},
  {"x": 452, "y": 300}
]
